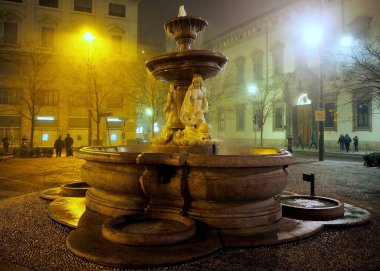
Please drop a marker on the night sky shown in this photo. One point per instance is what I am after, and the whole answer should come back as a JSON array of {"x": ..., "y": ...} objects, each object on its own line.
[{"x": 221, "y": 15}]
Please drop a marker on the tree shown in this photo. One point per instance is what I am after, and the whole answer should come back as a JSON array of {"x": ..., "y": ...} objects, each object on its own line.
[
  {"x": 148, "y": 93},
  {"x": 360, "y": 69},
  {"x": 97, "y": 79},
  {"x": 34, "y": 80},
  {"x": 265, "y": 95},
  {"x": 219, "y": 89}
]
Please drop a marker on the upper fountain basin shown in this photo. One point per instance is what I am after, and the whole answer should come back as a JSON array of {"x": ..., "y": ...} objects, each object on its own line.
[
  {"x": 180, "y": 66},
  {"x": 185, "y": 27}
]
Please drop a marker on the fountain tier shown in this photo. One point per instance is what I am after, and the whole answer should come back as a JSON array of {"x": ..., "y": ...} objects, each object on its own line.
[{"x": 180, "y": 66}]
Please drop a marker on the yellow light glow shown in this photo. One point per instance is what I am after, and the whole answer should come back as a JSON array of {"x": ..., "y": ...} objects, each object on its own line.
[
  {"x": 262, "y": 151},
  {"x": 88, "y": 37}
]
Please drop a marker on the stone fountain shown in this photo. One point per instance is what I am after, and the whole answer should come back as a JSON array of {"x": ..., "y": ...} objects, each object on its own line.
[{"x": 179, "y": 199}]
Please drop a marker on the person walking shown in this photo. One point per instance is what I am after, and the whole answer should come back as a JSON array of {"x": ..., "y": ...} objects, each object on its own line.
[
  {"x": 347, "y": 142},
  {"x": 356, "y": 143},
  {"x": 58, "y": 146},
  {"x": 5, "y": 144},
  {"x": 341, "y": 142},
  {"x": 300, "y": 142},
  {"x": 313, "y": 142},
  {"x": 69, "y": 141},
  {"x": 24, "y": 141}
]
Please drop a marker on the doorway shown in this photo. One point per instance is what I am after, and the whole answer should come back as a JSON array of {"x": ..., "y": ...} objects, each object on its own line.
[{"x": 303, "y": 123}]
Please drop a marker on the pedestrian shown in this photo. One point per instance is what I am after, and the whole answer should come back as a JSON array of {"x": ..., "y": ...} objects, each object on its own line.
[
  {"x": 58, "y": 146},
  {"x": 300, "y": 142},
  {"x": 347, "y": 142},
  {"x": 69, "y": 141},
  {"x": 341, "y": 142},
  {"x": 313, "y": 142},
  {"x": 5, "y": 144},
  {"x": 356, "y": 143},
  {"x": 24, "y": 140}
]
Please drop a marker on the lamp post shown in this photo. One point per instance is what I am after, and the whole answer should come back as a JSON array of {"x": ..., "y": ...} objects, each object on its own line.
[
  {"x": 312, "y": 35},
  {"x": 321, "y": 123},
  {"x": 87, "y": 36}
]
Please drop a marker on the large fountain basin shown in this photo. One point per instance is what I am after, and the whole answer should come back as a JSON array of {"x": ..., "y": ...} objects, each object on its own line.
[
  {"x": 181, "y": 66},
  {"x": 223, "y": 191}
]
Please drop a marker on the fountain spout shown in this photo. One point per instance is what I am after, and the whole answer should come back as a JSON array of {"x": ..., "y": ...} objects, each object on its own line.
[{"x": 181, "y": 12}]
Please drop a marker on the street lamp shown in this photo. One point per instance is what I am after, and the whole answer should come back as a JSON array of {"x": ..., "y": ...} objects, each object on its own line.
[
  {"x": 87, "y": 36},
  {"x": 313, "y": 37}
]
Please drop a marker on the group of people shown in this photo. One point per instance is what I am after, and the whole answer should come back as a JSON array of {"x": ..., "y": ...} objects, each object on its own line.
[
  {"x": 345, "y": 142},
  {"x": 60, "y": 144},
  {"x": 312, "y": 142}
]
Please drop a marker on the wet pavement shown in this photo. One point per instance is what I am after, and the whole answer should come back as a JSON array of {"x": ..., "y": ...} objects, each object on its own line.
[{"x": 30, "y": 239}]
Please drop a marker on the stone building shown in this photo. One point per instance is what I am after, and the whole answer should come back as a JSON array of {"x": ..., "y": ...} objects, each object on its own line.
[
  {"x": 285, "y": 54},
  {"x": 67, "y": 84}
]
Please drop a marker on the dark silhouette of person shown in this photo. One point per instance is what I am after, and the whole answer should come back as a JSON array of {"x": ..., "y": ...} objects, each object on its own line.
[
  {"x": 341, "y": 142},
  {"x": 5, "y": 144},
  {"x": 313, "y": 142},
  {"x": 24, "y": 140},
  {"x": 69, "y": 141},
  {"x": 356, "y": 143},
  {"x": 347, "y": 142},
  {"x": 58, "y": 146},
  {"x": 300, "y": 142}
]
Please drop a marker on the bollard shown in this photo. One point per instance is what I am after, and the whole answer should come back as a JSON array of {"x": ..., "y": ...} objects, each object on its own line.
[
  {"x": 310, "y": 178},
  {"x": 290, "y": 143}
]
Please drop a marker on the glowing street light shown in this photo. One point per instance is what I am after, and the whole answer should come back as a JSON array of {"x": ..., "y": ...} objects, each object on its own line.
[
  {"x": 312, "y": 35},
  {"x": 87, "y": 36},
  {"x": 149, "y": 112},
  {"x": 252, "y": 89},
  {"x": 346, "y": 41}
]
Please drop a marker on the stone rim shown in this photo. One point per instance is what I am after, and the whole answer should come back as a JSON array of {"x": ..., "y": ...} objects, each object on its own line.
[
  {"x": 111, "y": 230},
  {"x": 315, "y": 214}
]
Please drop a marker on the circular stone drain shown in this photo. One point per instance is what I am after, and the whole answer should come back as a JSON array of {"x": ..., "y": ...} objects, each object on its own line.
[
  {"x": 75, "y": 189},
  {"x": 148, "y": 229},
  {"x": 311, "y": 208}
]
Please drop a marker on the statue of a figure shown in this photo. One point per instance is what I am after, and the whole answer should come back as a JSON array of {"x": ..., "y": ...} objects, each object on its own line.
[
  {"x": 194, "y": 104},
  {"x": 193, "y": 108},
  {"x": 171, "y": 108}
]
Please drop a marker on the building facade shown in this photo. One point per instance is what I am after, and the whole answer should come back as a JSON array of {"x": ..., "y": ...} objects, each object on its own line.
[
  {"x": 65, "y": 81},
  {"x": 282, "y": 67}
]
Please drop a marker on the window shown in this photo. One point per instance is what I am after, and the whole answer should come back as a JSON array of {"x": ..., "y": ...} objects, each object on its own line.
[
  {"x": 330, "y": 116},
  {"x": 47, "y": 37},
  {"x": 300, "y": 58},
  {"x": 48, "y": 3},
  {"x": 257, "y": 61},
  {"x": 116, "y": 10},
  {"x": 83, "y": 5},
  {"x": 278, "y": 119},
  {"x": 78, "y": 122},
  {"x": 116, "y": 44},
  {"x": 78, "y": 99},
  {"x": 221, "y": 121},
  {"x": 10, "y": 33},
  {"x": 9, "y": 96},
  {"x": 49, "y": 98},
  {"x": 9, "y": 68},
  {"x": 362, "y": 111},
  {"x": 240, "y": 118},
  {"x": 240, "y": 69},
  {"x": 278, "y": 59}
]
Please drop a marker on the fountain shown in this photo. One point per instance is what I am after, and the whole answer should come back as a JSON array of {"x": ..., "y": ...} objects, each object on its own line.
[{"x": 180, "y": 198}]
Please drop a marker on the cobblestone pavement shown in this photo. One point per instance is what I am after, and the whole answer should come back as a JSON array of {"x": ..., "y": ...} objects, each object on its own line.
[
  {"x": 29, "y": 238},
  {"x": 19, "y": 176}
]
